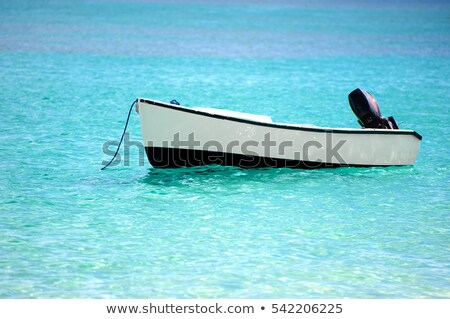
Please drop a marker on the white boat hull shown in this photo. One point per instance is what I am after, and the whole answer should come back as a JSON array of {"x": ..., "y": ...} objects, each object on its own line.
[{"x": 176, "y": 136}]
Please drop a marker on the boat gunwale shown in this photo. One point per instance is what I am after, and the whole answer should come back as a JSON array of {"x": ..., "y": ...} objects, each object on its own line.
[{"x": 281, "y": 125}]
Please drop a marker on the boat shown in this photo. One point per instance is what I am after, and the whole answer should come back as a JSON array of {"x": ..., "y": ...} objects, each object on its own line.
[{"x": 180, "y": 136}]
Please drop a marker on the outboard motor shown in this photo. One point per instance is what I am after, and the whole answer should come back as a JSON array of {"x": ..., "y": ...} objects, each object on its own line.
[{"x": 368, "y": 112}]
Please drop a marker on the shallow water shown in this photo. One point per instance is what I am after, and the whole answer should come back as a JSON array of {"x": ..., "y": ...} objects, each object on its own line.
[{"x": 69, "y": 73}]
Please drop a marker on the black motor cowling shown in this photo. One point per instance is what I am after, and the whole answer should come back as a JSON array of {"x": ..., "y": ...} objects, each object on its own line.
[{"x": 368, "y": 112}]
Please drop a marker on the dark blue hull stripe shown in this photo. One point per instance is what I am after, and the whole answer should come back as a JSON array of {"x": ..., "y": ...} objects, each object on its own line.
[{"x": 164, "y": 157}]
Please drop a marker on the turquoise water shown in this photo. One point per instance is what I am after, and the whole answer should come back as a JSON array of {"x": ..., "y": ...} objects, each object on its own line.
[{"x": 68, "y": 75}]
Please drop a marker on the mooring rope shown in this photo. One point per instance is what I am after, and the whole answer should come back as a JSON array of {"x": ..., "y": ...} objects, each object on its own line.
[{"x": 123, "y": 134}]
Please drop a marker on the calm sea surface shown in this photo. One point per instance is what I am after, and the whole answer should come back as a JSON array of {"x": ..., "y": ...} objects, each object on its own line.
[{"x": 69, "y": 71}]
